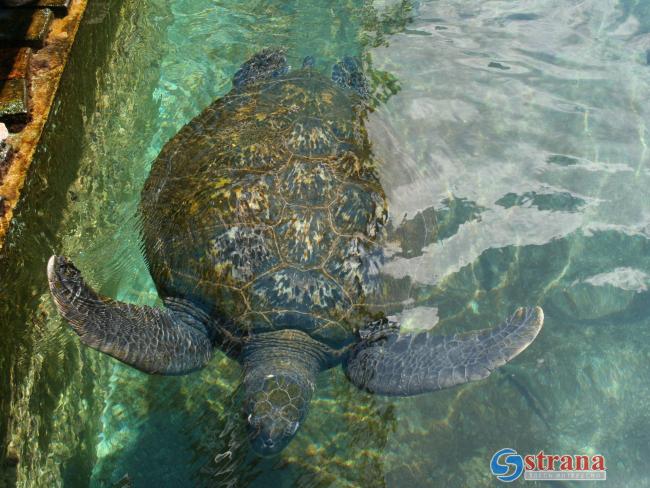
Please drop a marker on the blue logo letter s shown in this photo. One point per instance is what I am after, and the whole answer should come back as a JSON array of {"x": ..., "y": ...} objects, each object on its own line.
[{"x": 513, "y": 459}]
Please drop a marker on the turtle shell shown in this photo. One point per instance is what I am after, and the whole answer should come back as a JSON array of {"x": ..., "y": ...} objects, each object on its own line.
[{"x": 266, "y": 210}]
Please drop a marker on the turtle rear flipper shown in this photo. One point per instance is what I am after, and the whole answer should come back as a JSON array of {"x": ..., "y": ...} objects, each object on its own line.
[
  {"x": 308, "y": 62},
  {"x": 395, "y": 364},
  {"x": 348, "y": 74},
  {"x": 156, "y": 341},
  {"x": 269, "y": 63}
]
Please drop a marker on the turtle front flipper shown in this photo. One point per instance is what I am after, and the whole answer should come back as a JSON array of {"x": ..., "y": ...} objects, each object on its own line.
[
  {"x": 157, "y": 341},
  {"x": 395, "y": 364},
  {"x": 269, "y": 63}
]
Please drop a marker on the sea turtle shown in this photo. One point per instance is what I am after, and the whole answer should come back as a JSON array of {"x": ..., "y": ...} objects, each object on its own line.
[{"x": 263, "y": 221}]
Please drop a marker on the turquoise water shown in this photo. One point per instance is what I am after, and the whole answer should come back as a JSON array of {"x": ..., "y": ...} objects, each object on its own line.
[{"x": 514, "y": 141}]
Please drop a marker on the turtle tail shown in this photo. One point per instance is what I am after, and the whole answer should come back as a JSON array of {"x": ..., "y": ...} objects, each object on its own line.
[{"x": 173, "y": 340}]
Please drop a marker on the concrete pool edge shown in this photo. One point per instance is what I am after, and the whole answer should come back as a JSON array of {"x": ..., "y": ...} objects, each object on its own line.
[{"x": 47, "y": 67}]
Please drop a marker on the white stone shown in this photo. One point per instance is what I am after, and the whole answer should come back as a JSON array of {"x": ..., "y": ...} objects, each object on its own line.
[
  {"x": 417, "y": 318},
  {"x": 4, "y": 133}
]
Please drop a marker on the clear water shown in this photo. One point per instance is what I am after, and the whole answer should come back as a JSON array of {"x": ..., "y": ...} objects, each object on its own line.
[{"x": 514, "y": 137}]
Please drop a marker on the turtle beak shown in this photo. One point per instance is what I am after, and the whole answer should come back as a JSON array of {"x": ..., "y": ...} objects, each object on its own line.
[
  {"x": 275, "y": 405},
  {"x": 270, "y": 440},
  {"x": 269, "y": 436}
]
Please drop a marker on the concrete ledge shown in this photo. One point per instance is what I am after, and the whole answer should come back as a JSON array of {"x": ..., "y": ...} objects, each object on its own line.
[
  {"x": 45, "y": 72},
  {"x": 60, "y": 7},
  {"x": 23, "y": 27},
  {"x": 14, "y": 63},
  {"x": 14, "y": 102}
]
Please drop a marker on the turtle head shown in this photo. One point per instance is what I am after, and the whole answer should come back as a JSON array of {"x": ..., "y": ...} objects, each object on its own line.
[
  {"x": 275, "y": 404},
  {"x": 280, "y": 369}
]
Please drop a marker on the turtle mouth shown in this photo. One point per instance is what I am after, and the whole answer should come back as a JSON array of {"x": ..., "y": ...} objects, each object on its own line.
[
  {"x": 267, "y": 447},
  {"x": 269, "y": 437}
]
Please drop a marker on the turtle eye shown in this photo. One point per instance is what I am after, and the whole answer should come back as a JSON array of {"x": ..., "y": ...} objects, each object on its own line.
[{"x": 292, "y": 428}]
